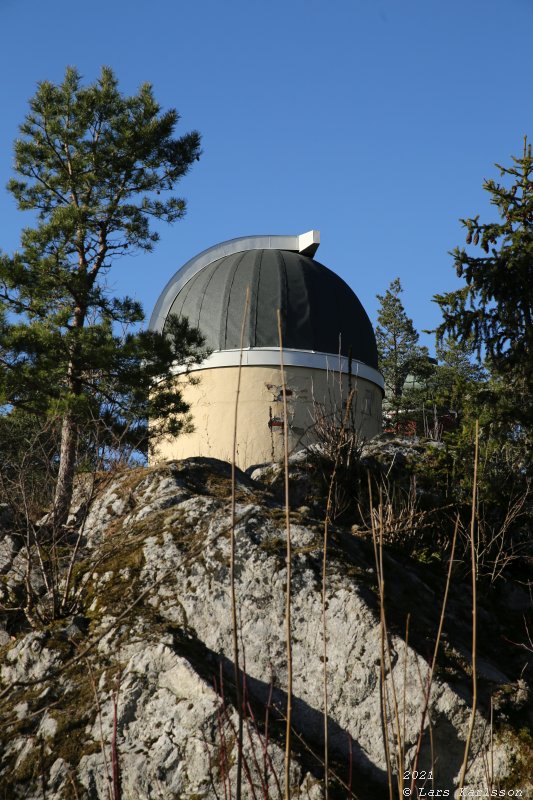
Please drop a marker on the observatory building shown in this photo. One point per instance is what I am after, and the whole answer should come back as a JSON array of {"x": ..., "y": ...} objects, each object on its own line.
[{"x": 329, "y": 349}]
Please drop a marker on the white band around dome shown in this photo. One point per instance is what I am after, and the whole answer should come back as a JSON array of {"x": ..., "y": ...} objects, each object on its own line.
[{"x": 270, "y": 357}]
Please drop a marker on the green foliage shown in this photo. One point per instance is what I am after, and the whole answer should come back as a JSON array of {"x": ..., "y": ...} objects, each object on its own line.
[
  {"x": 494, "y": 309},
  {"x": 491, "y": 317},
  {"x": 457, "y": 376},
  {"x": 28, "y": 455},
  {"x": 97, "y": 168},
  {"x": 450, "y": 391},
  {"x": 403, "y": 362},
  {"x": 90, "y": 161},
  {"x": 443, "y": 400}
]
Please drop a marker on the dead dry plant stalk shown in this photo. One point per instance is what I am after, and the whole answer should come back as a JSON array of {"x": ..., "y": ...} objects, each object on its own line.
[
  {"x": 100, "y": 725},
  {"x": 288, "y": 635},
  {"x": 115, "y": 760},
  {"x": 473, "y": 565},
  {"x": 404, "y": 693},
  {"x": 341, "y": 435},
  {"x": 73, "y": 786},
  {"x": 313, "y": 756},
  {"x": 391, "y": 717},
  {"x": 384, "y": 638},
  {"x": 394, "y": 715},
  {"x": 233, "y": 594},
  {"x": 377, "y": 539},
  {"x": 429, "y": 680}
]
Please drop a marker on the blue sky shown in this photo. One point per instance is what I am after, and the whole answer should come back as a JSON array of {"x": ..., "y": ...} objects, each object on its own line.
[{"x": 374, "y": 121}]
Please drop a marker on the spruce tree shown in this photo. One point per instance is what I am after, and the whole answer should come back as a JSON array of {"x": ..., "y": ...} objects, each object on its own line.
[
  {"x": 494, "y": 309},
  {"x": 400, "y": 355},
  {"x": 96, "y": 168}
]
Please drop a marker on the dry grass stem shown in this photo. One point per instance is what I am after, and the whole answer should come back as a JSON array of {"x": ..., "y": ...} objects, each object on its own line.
[
  {"x": 288, "y": 634},
  {"x": 100, "y": 726},
  {"x": 233, "y": 594},
  {"x": 473, "y": 565},
  {"x": 377, "y": 539},
  {"x": 340, "y": 436},
  {"x": 429, "y": 680}
]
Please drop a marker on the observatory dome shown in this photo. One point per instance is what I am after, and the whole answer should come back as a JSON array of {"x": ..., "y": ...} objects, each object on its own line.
[
  {"x": 327, "y": 372},
  {"x": 319, "y": 311}
]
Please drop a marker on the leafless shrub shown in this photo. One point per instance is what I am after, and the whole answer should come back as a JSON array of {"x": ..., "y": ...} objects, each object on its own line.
[
  {"x": 403, "y": 522},
  {"x": 335, "y": 427},
  {"x": 497, "y": 544},
  {"x": 337, "y": 450},
  {"x": 48, "y": 552}
]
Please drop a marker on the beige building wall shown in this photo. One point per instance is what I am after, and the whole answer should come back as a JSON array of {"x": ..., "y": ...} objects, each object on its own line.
[{"x": 310, "y": 392}]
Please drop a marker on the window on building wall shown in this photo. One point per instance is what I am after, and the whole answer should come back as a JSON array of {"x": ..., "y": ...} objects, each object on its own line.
[{"x": 367, "y": 402}]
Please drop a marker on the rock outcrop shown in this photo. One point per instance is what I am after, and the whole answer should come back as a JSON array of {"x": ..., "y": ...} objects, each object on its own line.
[{"x": 134, "y": 695}]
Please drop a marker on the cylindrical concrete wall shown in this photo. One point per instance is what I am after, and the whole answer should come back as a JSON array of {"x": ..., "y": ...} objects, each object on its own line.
[{"x": 312, "y": 394}]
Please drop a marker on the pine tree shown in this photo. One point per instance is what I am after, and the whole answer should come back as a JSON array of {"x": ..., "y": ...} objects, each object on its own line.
[
  {"x": 400, "y": 355},
  {"x": 95, "y": 167},
  {"x": 494, "y": 309}
]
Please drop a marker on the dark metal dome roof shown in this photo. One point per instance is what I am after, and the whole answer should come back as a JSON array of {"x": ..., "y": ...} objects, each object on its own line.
[{"x": 319, "y": 311}]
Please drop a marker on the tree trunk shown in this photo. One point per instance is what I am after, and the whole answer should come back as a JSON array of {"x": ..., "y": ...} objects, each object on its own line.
[
  {"x": 67, "y": 465},
  {"x": 69, "y": 432}
]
